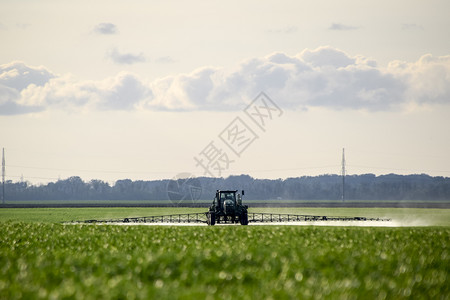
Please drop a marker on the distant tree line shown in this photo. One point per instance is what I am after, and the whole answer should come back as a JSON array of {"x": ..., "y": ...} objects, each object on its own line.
[{"x": 324, "y": 187}]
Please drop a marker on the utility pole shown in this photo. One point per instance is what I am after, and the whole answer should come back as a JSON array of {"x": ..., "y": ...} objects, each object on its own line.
[
  {"x": 343, "y": 174},
  {"x": 3, "y": 176}
]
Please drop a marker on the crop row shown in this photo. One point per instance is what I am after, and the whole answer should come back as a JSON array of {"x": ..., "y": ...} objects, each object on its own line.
[{"x": 57, "y": 261}]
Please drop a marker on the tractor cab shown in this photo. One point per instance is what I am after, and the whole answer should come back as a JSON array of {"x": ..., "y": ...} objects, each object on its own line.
[{"x": 225, "y": 199}]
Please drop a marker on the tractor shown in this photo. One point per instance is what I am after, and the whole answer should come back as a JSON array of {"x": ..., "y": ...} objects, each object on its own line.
[{"x": 227, "y": 208}]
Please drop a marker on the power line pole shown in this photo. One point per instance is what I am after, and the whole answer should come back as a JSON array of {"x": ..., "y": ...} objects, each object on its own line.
[
  {"x": 343, "y": 174},
  {"x": 3, "y": 176}
]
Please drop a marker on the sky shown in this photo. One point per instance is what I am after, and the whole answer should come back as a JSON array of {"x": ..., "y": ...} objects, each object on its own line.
[{"x": 275, "y": 89}]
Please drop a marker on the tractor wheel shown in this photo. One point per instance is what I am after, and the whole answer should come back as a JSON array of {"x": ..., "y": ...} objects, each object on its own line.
[
  {"x": 244, "y": 218},
  {"x": 212, "y": 218}
]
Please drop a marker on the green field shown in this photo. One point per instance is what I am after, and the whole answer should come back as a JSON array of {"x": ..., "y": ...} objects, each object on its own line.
[
  {"x": 42, "y": 258},
  {"x": 403, "y": 216}
]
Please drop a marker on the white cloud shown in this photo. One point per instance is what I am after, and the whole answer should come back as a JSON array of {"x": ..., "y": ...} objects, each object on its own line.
[
  {"x": 125, "y": 58},
  {"x": 340, "y": 26},
  {"x": 324, "y": 77},
  {"x": 105, "y": 28},
  {"x": 326, "y": 56},
  {"x": 14, "y": 78},
  {"x": 17, "y": 75},
  {"x": 428, "y": 79},
  {"x": 122, "y": 92}
]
